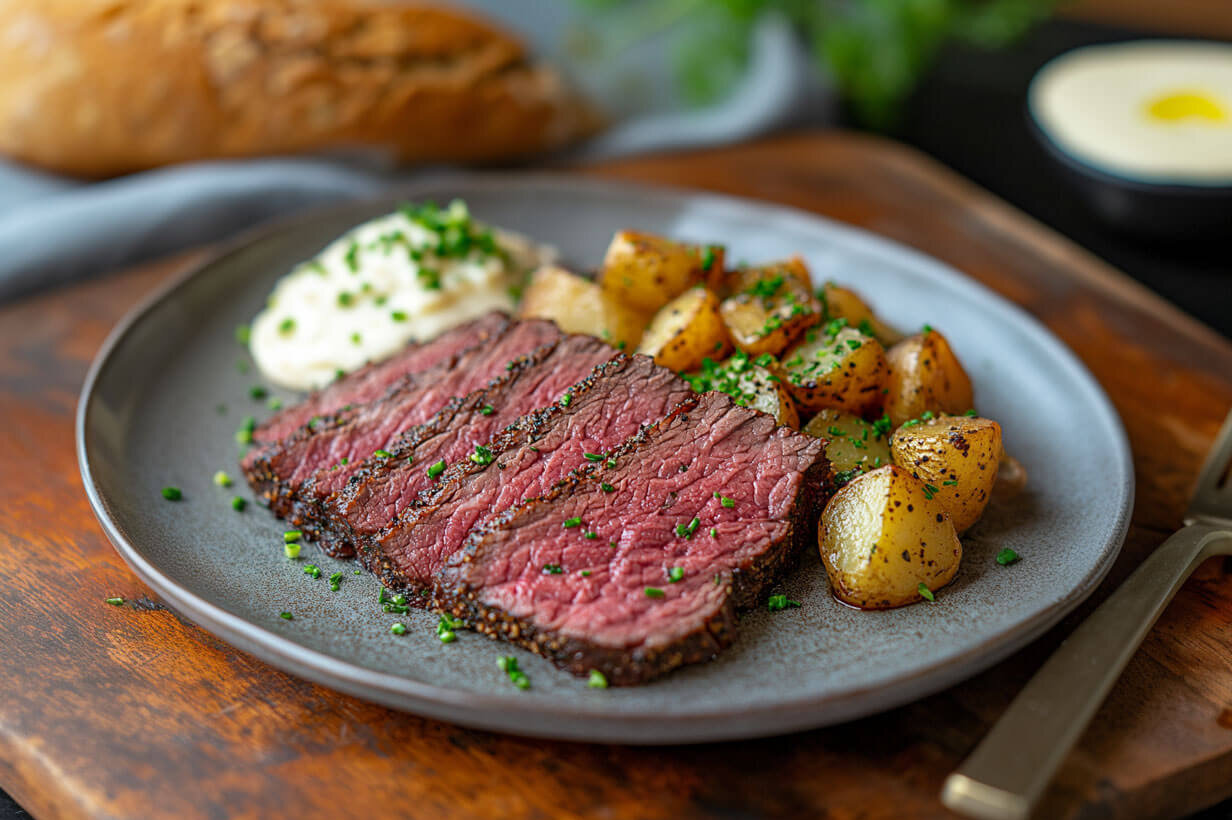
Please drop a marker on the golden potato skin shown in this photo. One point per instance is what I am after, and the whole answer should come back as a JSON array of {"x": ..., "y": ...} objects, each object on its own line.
[
  {"x": 645, "y": 271},
  {"x": 853, "y": 445},
  {"x": 956, "y": 457},
  {"x": 925, "y": 375},
  {"x": 843, "y": 303},
  {"x": 843, "y": 369},
  {"x": 578, "y": 305},
  {"x": 768, "y": 307},
  {"x": 685, "y": 331},
  {"x": 880, "y": 537},
  {"x": 752, "y": 383}
]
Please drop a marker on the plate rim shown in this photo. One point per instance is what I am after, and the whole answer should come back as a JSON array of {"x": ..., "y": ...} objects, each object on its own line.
[{"x": 506, "y": 712}]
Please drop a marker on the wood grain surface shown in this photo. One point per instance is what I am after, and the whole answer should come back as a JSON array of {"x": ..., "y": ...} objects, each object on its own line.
[{"x": 132, "y": 712}]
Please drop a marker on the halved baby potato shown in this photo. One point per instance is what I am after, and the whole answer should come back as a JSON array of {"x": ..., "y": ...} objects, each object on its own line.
[
  {"x": 883, "y": 540},
  {"x": 843, "y": 303},
  {"x": 956, "y": 457},
  {"x": 685, "y": 331},
  {"x": 751, "y": 382},
  {"x": 769, "y": 306},
  {"x": 578, "y": 305},
  {"x": 645, "y": 271},
  {"x": 839, "y": 367},
  {"x": 853, "y": 445},
  {"x": 925, "y": 375}
]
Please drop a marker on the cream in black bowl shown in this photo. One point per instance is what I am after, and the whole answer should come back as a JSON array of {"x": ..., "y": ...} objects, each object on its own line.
[{"x": 1144, "y": 131}]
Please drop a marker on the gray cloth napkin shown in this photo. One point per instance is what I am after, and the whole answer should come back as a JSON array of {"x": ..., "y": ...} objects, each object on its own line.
[{"x": 54, "y": 229}]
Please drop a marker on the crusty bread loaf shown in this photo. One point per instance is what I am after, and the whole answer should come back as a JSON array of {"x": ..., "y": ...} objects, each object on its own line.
[{"x": 104, "y": 87}]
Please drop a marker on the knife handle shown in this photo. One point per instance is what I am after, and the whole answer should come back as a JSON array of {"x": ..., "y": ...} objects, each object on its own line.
[{"x": 1006, "y": 774}]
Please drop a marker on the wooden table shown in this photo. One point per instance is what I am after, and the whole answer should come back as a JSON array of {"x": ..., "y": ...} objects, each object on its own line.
[{"x": 134, "y": 712}]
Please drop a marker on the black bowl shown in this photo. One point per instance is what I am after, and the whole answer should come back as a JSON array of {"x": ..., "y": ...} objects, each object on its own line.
[{"x": 1156, "y": 210}]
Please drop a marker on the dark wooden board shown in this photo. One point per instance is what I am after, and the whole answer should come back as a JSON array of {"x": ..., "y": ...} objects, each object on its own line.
[{"x": 133, "y": 712}]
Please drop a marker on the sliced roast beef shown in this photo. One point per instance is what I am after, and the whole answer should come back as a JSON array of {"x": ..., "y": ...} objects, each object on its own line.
[
  {"x": 330, "y": 450},
  {"x": 636, "y": 569},
  {"x": 386, "y": 485},
  {"x": 371, "y": 382},
  {"x": 595, "y": 417}
]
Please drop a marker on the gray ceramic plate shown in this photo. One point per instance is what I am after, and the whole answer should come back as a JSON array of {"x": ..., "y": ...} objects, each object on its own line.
[{"x": 150, "y": 416}]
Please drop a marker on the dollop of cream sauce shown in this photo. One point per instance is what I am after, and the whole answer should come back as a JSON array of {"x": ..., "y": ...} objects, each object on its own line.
[{"x": 409, "y": 275}]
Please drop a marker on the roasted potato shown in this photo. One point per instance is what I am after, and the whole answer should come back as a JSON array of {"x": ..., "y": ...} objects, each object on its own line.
[
  {"x": 956, "y": 458},
  {"x": 843, "y": 303},
  {"x": 769, "y": 306},
  {"x": 579, "y": 305},
  {"x": 883, "y": 541},
  {"x": 853, "y": 445},
  {"x": 792, "y": 271},
  {"x": 839, "y": 367},
  {"x": 925, "y": 375},
  {"x": 686, "y": 330},
  {"x": 645, "y": 272},
  {"x": 751, "y": 382}
]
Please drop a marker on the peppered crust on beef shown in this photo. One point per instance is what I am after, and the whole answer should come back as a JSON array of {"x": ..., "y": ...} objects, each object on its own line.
[
  {"x": 372, "y": 381},
  {"x": 380, "y": 489},
  {"x": 583, "y": 575},
  {"x": 598, "y": 415}
]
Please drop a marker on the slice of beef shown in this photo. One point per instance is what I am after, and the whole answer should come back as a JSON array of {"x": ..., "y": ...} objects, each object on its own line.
[
  {"x": 372, "y": 381},
  {"x": 332, "y": 449},
  {"x": 599, "y": 415},
  {"x": 385, "y": 486},
  {"x": 639, "y": 569}
]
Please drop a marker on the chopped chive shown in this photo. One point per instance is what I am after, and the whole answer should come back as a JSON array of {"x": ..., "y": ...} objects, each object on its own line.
[
  {"x": 1006, "y": 557},
  {"x": 566, "y": 399},
  {"x": 509, "y": 665},
  {"x": 116, "y": 601},
  {"x": 675, "y": 574},
  {"x": 436, "y": 469},
  {"x": 286, "y": 326},
  {"x": 257, "y": 392},
  {"x": 592, "y": 456},
  {"x": 172, "y": 493},
  {"x": 382, "y": 453},
  {"x": 487, "y": 410},
  {"x": 398, "y": 315},
  {"x": 291, "y": 536},
  {"x": 291, "y": 550},
  {"x": 610, "y": 463},
  {"x": 948, "y": 483},
  {"x": 970, "y": 412},
  {"x": 570, "y": 523},
  {"x": 346, "y": 299},
  {"x": 584, "y": 573},
  {"x": 552, "y": 569},
  {"x": 482, "y": 455},
  {"x": 653, "y": 592},
  {"x": 352, "y": 257},
  {"x": 312, "y": 570},
  {"x": 726, "y": 502},
  {"x": 926, "y": 593},
  {"x": 238, "y": 504},
  {"x": 398, "y": 628},
  {"x": 714, "y": 533},
  {"x": 597, "y": 680},
  {"x": 222, "y": 479},
  {"x": 286, "y": 616},
  {"x": 928, "y": 328},
  {"x": 275, "y": 403},
  {"x": 590, "y": 535},
  {"x": 243, "y": 333},
  {"x": 335, "y": 581},
  {"x": 607, "y": 488},
  {"x": 777, "y": 603}
]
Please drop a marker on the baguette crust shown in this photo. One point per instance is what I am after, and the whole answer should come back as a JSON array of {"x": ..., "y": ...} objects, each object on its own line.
[{"x": 104, "y": 87}]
